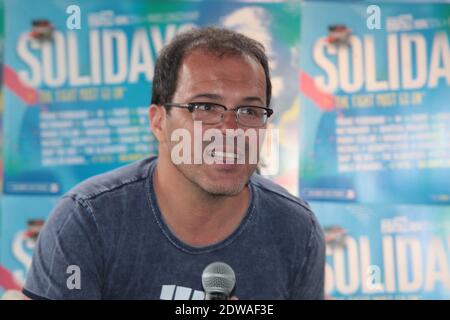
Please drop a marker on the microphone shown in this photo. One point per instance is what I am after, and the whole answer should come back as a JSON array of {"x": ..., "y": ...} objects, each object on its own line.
[{"x": 218, "y": 281}]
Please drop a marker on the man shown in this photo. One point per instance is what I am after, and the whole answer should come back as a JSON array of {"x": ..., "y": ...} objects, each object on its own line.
[{"x": 148, "y": 230}]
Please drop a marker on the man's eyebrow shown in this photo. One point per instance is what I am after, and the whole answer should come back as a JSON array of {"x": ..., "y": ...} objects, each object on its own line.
[
  {"x": 213, "y": 96},
  {"x": 253, "y": 99}
]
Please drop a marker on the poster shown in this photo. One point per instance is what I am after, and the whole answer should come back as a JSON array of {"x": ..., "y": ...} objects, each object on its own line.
[
  {"x": 20, "y": 229},
  {"x": 386, "y": 251},
  {"x": 375, "y": 103}
]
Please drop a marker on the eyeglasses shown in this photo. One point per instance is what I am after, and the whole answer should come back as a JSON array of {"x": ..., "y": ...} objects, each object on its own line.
[{"x": 212, "y": 113}]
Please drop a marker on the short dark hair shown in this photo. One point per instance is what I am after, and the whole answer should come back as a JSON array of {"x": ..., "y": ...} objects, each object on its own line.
[{"x": 215, "y": 40}]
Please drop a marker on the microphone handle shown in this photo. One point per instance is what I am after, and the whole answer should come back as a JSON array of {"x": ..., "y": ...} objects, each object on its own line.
[{"x": 215, "y": 296}]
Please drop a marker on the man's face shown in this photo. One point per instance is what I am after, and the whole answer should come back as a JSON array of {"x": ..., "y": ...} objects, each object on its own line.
[{"x": 230, "y": 81}]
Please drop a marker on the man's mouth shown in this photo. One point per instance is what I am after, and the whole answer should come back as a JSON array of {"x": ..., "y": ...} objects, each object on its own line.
[{"x": 225, "y": 157}]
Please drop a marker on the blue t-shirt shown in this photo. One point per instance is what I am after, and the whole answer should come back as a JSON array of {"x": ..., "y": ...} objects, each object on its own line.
[{"x": 107, "y": 239}]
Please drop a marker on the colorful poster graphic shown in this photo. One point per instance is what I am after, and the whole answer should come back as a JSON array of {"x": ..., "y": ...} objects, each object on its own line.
[
  {"x": 80, "y": 96},
  {"x": 386, "y": 251},
  {"x": 20, "y": 228},
  {"x": 375, "y": 119}
]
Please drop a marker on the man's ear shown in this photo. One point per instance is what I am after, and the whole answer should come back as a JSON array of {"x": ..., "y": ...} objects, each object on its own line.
[{"x": 157, "y": 116}]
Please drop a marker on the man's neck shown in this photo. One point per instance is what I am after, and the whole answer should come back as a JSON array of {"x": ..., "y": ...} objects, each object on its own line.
[{"x": 193, "y": 215}]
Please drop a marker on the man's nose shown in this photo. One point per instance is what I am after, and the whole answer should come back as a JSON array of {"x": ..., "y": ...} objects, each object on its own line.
[{"x": 229, "y": 120}]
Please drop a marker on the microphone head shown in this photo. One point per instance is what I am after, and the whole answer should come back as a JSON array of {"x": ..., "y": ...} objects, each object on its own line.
[{"x": 218, "y": 277}]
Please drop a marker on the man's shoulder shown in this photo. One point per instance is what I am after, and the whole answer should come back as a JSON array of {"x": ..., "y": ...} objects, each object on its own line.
[
  {"x": 112, "y": 180},
  {"x": 286, "y": 212},
  {"x": 282, "y": 196}
]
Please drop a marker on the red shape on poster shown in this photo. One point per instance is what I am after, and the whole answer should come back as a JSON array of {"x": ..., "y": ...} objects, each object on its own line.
[
  {"x": 323, "y": 100},
  {"x": 7, "y": 280},
  {"x": 26, "y": 93}
]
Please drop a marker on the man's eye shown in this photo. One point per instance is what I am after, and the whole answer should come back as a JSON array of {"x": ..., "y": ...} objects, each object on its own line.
[
  {"x": 250, "y": 111},
  {"x": 204, "y": 107}
]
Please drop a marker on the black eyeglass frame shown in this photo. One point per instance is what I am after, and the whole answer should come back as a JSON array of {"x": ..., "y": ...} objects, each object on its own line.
[{"x": 191, "y": 106}]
